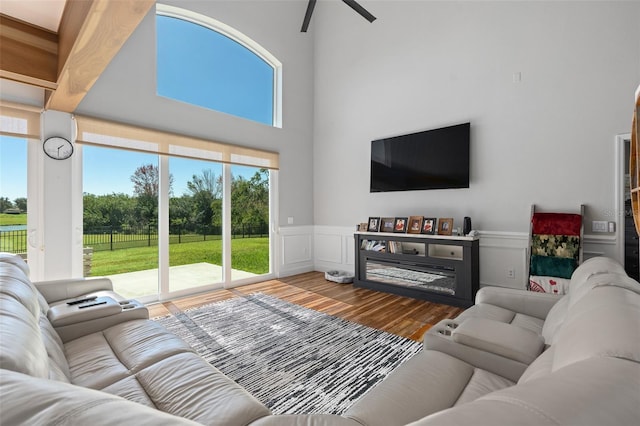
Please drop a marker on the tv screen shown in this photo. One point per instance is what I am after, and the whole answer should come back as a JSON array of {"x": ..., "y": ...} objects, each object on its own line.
[{"x": 432, "y": 159}]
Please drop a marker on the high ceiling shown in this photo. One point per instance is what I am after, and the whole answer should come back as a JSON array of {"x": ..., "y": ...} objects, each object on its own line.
[
  {"x": 41, "y": 13},
  {"x": 62, "y": 46}
]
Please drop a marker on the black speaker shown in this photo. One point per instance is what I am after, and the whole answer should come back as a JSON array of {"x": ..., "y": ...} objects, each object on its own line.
[{"x": 467, "y": 225}]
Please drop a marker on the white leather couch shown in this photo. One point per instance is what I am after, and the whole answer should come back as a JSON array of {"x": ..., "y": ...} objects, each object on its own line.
[
  {"x": 516, "y": 357},
  {"x": 111, "y": 368},
  {"x": 520, "y": 358}
]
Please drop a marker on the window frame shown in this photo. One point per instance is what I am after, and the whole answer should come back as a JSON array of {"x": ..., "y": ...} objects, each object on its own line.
[{"x": 240, "y": 38}]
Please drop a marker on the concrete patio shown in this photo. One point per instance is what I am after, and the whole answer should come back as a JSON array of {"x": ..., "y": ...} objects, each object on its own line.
[{"x": 145, "y": 283}]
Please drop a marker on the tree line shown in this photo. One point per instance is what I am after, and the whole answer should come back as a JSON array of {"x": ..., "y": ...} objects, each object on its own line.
[
  {"x": 19, "y": 205},
  {"x": 199, "y": 208}
]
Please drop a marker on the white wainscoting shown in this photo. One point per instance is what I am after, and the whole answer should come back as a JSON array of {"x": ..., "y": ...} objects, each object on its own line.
[
  {"x": 295, "y": 250},
  {"x": 333, "y": 248},
  {"x": 499, "y": 252}
]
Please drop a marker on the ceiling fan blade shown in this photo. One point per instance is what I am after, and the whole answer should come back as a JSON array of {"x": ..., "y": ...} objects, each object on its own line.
[
  {"x": 361, "y": 10},
  {"x": 307, "y": 16}
]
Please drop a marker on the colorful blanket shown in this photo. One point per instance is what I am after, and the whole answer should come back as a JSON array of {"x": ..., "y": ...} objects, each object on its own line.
[{"x": 555, "y": 249}]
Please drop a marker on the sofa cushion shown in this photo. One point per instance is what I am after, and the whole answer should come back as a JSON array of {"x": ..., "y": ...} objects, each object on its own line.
[
  {"x": 28, "y": 400},
  {"x": 58, "y": 366},
  {"x": 101, "y": 359},
  {"x": 429, "y": 382},
  {"x": 593, "y": 266},
  {"x": 187, "y": 386},
  {"x": 14, "y": 283},
  {"x": 554, "y": 319},
  {"x": 605, "y": 279},
  {"x": 21, "y": 345},
  {"x": 593, "y": 392},
  {"x": 603, "y": 323}
]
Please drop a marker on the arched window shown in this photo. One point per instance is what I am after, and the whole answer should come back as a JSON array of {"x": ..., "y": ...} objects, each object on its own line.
[{"x": 204, "y": 62}]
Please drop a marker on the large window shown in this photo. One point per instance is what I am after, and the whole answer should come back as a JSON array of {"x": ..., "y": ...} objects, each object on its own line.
[
  {"x": 19, "y": 127},
  {"x": 206, "y": 63},
  {"x": 13, "y": 195}
]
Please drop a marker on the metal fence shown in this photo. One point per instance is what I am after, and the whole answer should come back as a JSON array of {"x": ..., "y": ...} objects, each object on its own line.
[
  {"x": 13, "y": 241},
  {"x": 124, "y": 236}
]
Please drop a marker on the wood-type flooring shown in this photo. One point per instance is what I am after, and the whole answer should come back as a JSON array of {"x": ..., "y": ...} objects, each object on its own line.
[{"x": 402, "y": 316}]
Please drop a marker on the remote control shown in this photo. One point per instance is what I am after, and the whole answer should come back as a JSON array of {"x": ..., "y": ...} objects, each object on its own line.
[{"x": 79, "y": 301}]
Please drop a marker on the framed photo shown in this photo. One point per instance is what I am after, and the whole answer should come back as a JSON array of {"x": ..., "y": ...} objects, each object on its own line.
[
  {"x": 374, "y": 224},
  {"x": 362, "y": 227},
  {"x": 429, "y": 225},
  {"x": 445, "y": 226},
  {"x": 400, "y": 224},
  {"x": 415, "y": 225},
  {"x": 386, "y": 224}
]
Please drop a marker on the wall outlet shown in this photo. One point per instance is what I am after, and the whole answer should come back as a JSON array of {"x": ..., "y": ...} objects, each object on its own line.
[
  {"x": 290, "y": 220},
  {"x": 511, "y": 273}
]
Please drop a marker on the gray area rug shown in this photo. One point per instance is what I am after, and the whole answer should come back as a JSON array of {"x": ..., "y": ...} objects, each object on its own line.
[{"x": 293, "y": 359}]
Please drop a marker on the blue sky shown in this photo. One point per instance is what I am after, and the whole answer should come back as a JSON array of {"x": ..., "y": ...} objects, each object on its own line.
[
  {"x": 100, "y": 180},
  {"x": 13, "y": 168},
  {"x": 105, "y": 171},
  {"x": 228, "y": 78},
  {"x": 203, "y": 67}
]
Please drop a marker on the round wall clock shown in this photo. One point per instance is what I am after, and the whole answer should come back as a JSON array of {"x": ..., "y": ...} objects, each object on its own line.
[{"x": 57, "y": 148}]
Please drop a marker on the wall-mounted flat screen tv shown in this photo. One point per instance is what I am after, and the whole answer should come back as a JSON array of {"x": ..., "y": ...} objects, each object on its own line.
[{"x": 432, "y": 159}]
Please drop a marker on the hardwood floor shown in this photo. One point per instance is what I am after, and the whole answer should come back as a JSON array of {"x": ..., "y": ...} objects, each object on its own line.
[{"x": 403, "y": 316}]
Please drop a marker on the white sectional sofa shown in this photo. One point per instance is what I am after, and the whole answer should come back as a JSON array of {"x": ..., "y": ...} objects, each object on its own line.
[{"x": 515, "y": 357}]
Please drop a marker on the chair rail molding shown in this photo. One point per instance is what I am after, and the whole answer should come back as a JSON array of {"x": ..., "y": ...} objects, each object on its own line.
[{"x": 324, "y": 248}]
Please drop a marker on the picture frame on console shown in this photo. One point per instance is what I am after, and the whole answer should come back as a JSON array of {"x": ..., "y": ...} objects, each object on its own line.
[
  {"x": 362, "y": 227},
  {"x": 374, "y": 224},
  {"x": 415, "y": 225},
  {"x": 445, "y": 226},
  {"x": 429, "y": 225},
  {"x": 387, "y": 224},
  {"x": 400, "y": 225}
]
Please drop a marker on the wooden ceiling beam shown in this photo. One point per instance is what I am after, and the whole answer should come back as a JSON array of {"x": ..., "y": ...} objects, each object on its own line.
[
  {"x": 91, "y": 34},
  {"x": 28, "y": 54}
]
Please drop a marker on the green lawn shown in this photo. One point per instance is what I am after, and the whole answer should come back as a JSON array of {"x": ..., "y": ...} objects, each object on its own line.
[
  {"x": 247, "y": 254},
  {"x": 13, "y": 219}
]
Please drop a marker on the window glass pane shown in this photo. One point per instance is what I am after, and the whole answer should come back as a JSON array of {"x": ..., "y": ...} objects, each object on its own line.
[
  {"x": 249, "y": 222},
  {"x": 203, "y": 67},
  {"x": 195, "y": 223},
  {"x": 13, "y": 195},
  {"x": 120, "y": 218}
]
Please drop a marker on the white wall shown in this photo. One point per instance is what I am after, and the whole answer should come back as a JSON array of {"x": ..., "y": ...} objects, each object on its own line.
[
  {"x": 126, "y": 92},
  {"x": 548, "y": 139}
]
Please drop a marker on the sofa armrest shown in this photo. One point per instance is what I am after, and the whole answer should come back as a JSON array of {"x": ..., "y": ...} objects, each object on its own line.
[
  {"x": 522, "y": 301},
  {"x": 440, "y": 338},
  {"x": 502, "y": 339},
  {"x": 54, "y": 291}
]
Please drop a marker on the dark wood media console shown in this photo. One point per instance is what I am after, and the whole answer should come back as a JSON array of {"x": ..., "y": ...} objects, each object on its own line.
[{"x": 438, "y": 268}]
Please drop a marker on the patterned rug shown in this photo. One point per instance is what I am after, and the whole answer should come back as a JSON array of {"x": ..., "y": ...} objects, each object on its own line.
[{"x": 293, "y": 359}]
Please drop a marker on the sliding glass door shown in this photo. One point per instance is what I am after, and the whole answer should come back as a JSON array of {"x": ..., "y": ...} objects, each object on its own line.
[
  {"x": 156, "y": 224},
  {"x": 120, "y": 219},
  {"x": 249, "y": 222},
  {"x": 195, "y": 224}
]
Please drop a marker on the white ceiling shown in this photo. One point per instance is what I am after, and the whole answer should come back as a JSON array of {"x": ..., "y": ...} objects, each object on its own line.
[{"x": 43, "y": 13}]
